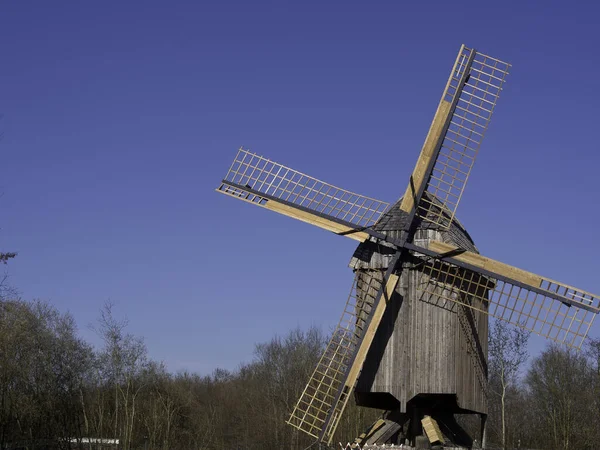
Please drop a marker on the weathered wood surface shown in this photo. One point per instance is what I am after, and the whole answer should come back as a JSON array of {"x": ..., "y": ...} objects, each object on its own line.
[
  {"x": 417, "y": 177},
  {"x": 489, "y": 264},
  {"x": 424, "y": 345}
]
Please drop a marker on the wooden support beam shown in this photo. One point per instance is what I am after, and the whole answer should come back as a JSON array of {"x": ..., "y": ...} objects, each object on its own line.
[
  {"x": 365, "y": 435},
  {"x": 432, "y": 430},
  {"x": 489, "y": 264},
  {"x": 418, "y": 176},
  {"x": 571, "y": 294},
  {"x": 370, "y": 332},
  {"x": 315, "y": 219}
]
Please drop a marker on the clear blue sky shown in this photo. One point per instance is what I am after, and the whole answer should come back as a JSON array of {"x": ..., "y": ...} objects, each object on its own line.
[{"x": 120, "y": 118}]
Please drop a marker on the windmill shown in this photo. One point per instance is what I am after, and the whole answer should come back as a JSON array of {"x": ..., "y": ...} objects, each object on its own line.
[{"x": 412, "y": 338}]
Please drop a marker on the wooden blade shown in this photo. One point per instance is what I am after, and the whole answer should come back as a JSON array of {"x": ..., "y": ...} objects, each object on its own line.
[
  {"x": 265, "y": 183},
  {"x": 326, "y": 395},
  {"x": 455, "y": 136},
  {"x": 546, "y": 307}
]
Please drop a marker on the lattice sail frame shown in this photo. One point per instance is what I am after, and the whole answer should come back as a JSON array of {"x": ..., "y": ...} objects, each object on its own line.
[
  {"x": 263, "y": 182},
  {"x": 517, "y": 305},
  {"x": 319, "y": 396},
  {"x": 257, "y": 180},
  {"x": 468, "y": 124}
]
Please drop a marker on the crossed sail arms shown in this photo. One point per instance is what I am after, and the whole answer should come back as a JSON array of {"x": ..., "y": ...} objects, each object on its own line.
[
  {"x": 551, "y": 309},
  {"x": 448, "y": 275}
]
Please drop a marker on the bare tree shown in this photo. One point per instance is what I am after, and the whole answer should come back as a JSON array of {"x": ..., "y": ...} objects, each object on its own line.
[
  {"x": 560, "y": 381},
  {"x": 42, "y": 367},
  {"x": 124, "y": 360},
  {"x": 507, "y": 351},
  {"x": 593, "y": 354}
]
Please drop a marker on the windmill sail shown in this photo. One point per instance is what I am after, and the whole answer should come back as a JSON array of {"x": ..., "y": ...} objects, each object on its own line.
[
  {"x": 449, "y": 277},
  {"x": 546, "y": 307},
  {"x": 265, "y": 183},
  {"x": 320, "y": 407},
  {"x": 456, "y": 134}
]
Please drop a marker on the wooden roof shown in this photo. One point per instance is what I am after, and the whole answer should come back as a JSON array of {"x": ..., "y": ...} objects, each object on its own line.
[{"x": 370, "y": 254}]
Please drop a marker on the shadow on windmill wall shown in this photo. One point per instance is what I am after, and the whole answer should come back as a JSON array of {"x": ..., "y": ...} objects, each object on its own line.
[{"x": 380, "y": 400}]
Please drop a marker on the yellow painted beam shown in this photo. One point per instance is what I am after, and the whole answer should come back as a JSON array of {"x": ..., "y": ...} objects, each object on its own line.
[
  {"x": 314, "y": 219},
  {"x": 364, "y": 346},
  {"x": 365, "y": 435},
  {"x": 304, "y": 216},
  {"x": 536, "y": 281},
  {"x": 432, "y": 430},
  {"x": 489, "y": 264},
  {"x": 418, "y": 176},
  {"x": 370, "y": 332}
]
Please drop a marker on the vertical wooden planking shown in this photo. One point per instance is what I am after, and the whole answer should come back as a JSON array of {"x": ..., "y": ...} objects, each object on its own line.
[{"x": 428, "y": 351}]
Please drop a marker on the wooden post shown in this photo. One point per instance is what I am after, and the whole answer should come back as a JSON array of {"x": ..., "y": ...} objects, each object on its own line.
[{"x": 483, "y": 430}]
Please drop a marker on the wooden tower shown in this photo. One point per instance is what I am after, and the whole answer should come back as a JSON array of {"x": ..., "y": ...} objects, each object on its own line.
[
  {"x": 412, "y": 338},
  {"x": 429, "y": 354}
]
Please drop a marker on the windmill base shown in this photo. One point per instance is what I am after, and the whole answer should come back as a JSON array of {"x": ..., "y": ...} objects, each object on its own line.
[{"x": 398, "y": 427}]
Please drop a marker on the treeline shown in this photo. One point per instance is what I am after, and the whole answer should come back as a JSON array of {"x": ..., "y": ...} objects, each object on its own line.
[
  {"x": 56, "y": 390},
  {"x": 553, "y": 404}
]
